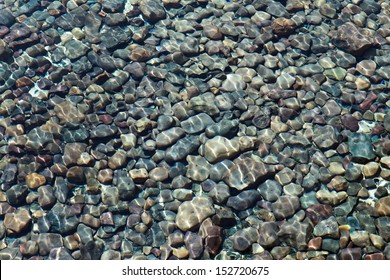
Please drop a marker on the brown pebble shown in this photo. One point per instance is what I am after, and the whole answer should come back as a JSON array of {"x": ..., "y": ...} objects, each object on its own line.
[{"x": 35, "y": 180}]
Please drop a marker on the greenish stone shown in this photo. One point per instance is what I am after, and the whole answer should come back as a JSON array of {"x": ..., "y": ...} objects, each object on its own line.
[
  {"x": 330, "y": 245},
  {"x": 360, "y": 147},
  {"x": 337, "y": 73}
]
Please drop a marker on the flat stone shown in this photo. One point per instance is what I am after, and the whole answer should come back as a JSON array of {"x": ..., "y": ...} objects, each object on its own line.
[
  {"x": 220, "y": 148},
  {"x": 244, "y": 200},
  {"x": 197, "y": 123},
  {"x": 159, "y": 174},
  {"x": 192, "y": 213},
  {"x": 245, "y": 172}
]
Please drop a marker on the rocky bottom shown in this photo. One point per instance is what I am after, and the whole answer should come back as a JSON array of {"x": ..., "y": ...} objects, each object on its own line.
[{"x": 183, "y": 129}]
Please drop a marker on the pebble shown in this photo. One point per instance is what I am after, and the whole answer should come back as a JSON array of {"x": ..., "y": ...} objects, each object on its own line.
[
  {"x": 383, "y": 206},
  {"x": 17, "y": 221},
  {"x": 34, "y": 180},
  {"x": 243, "y": 239},
  {"x": 327, "y": 228},
  {"x": 244, "y": 173},
  {"x": 270, "y": 190},
  {"x": 285, "y": 206},
  {"x": 220, "y": 148},
  {"x": 233, "y": 82},
  {"x": 192, "y": 213},
  {"x": 331, "y": 198},
  {"x": 243, "y": 200}
]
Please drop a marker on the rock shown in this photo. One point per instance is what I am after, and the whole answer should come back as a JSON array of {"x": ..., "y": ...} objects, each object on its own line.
[
  {"x": 213, "y": 239},
  {"x": 350, "y": 122},
  {"x": 193, "y": 244},
  {"x": 141, "y": 54},
  {"x": 283, "y": 26},
  {"x": 169, "y": 137},
  {"x": 295, "y": 233},
  {"x": 327, "y": 228},
  {"x": 383, "y": 206},
  {"x": 72, "y": 153},
  {"x": 318, "y": 212},
  {"x": 197, "y": 123},
  {"x": 152, "y": 10},
  {"x": 35, "y": 180},
  {"x": 118, "y": 160},
  {"x": 190, "y": 46},
  {"x": 49, "y": 241},
  {"x": 46, "y": 198},
  {"x": 198, "y": 168},
  {"x": 244, "y": 200},
  {"x": 182, "y": 148},
  {"x": 351, "y": 254},
  {"x": 220, "y": 148},
  {"x": 270, "y": 190},
  {"x": 332, "y": 198},
  {"x": 325, "y": 137},
  {"x": 366, "y": 67},
  {"x": 159, "y": 174},
  {"x": 220, "y": 193},
  {"x": 383, "y": 226},
  {"x": 18, "y": 221},
  {"x": 245, "y": 172},
  {"x": 191, "y": 213},
  {"x": 128, "y": 141},
  {"x": 212, "y": 31},
  {"x": 75, "y": 49},
  {"x": 331, "y": 108},
  {"x": 105, "y": 176},
  {"x": 268, "y": 234},
  {"x": 285, "y": 206},
  {"x": 243, "y": 239},
  {"x": 233, "y": 82},
  {"x": 139, "y": 174},
  {"x": 352, "y": 39},
  {"x": 360, "y": 147},
  {"x": 76, "y": 175},
  {"x": 386, "y": 122},
  {"x": 113, "y": 6}
]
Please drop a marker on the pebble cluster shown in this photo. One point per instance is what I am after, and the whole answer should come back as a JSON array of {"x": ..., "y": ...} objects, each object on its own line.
[{"x": 194, "y": 129}]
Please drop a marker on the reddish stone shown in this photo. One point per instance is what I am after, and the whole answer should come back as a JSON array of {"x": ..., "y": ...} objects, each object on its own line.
[
  {"x": 351, "y": 254},
  {"x": 213, "y": 240},
  {"x": 366, "y": 104},
  {"x": 314, "y": 244},
  {"x": 375, "y": 256}
]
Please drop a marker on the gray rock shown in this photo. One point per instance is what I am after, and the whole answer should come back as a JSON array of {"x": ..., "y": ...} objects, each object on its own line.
[
  {"x": 244, "y": 200},
  {"x": 285, "y": 206},
  {"x": 197, "y": 123},
  {"x": 327, "y": 228},
  {"x": 152, "y": 10},
  {"x": 270, "y": 190},
  {"x": 246, "y": 172}
]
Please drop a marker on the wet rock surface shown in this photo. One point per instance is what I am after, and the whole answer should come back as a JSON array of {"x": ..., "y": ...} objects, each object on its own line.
[{"x": 194, "y": 129}]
